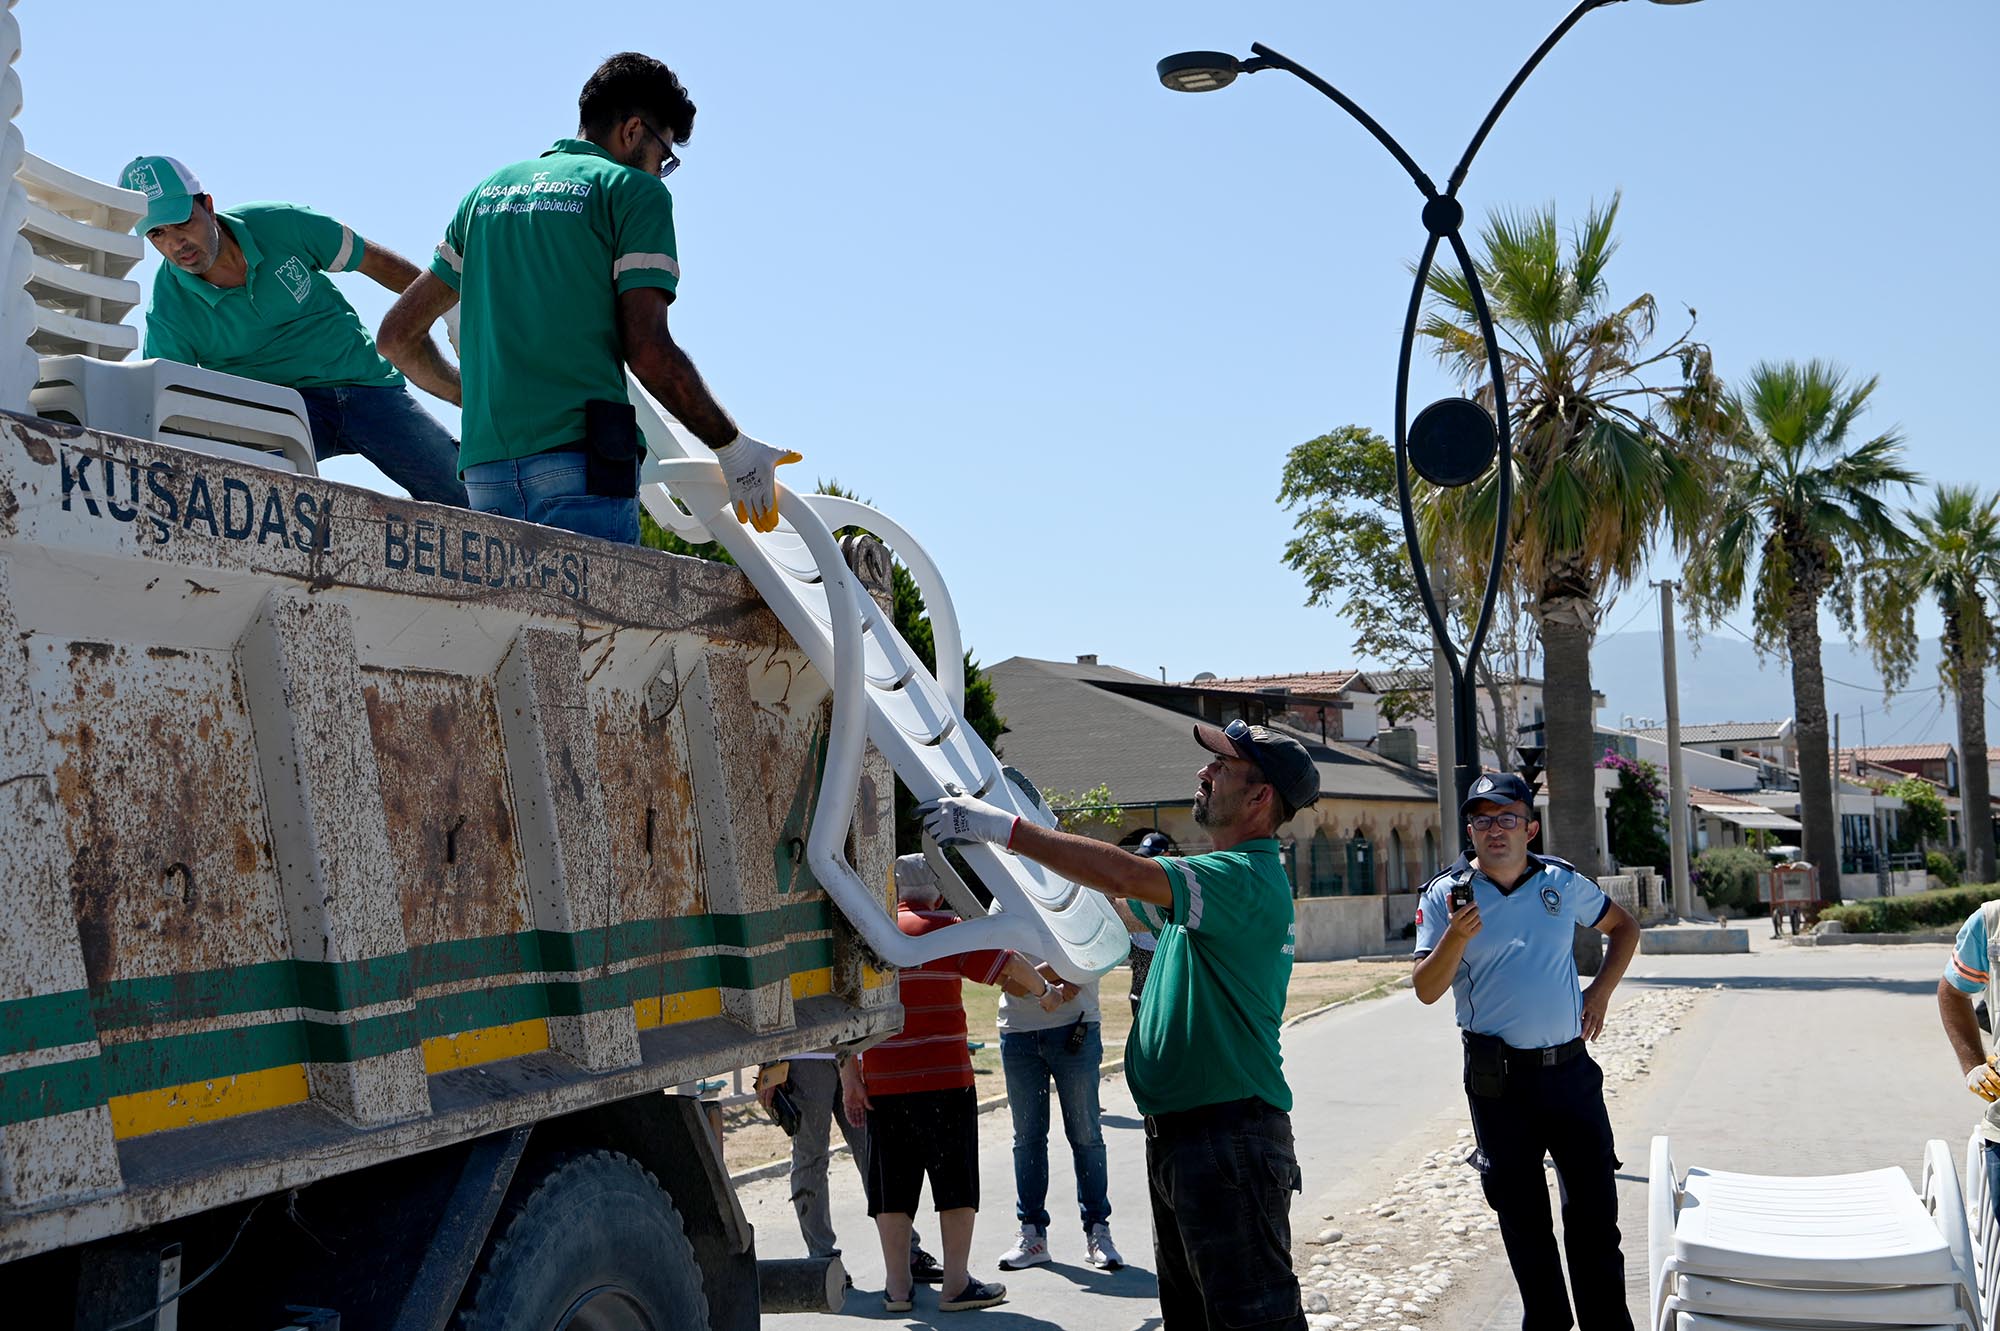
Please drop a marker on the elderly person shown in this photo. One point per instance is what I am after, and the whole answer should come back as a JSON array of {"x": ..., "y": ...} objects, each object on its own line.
[
  {"x": 246, "y": 292},
  {"x": 1203, "y": 1061},
  {"x": 915, "y": 1089}
]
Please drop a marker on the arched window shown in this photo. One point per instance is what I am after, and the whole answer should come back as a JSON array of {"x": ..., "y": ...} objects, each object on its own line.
[
  {"x": 1325, "y": 866},
  {"x": 1398, "y": 878}
]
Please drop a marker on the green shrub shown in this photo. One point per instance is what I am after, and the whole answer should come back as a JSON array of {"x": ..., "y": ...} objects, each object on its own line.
[
  {"x": 1941, "y": 864},
  {"x": 1727, "y": 876},
  {"x": 1945, "y": 908}
]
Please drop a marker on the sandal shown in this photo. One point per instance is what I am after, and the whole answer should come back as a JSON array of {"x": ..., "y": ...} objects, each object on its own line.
[
  {"x": 976, "y": 1294},
  {"x": 892, "y": 1304}
]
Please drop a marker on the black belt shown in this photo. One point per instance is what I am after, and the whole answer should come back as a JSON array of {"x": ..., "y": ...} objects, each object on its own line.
[
  {"x": 1203, "y": 1115},
  {"x": 1524, "y": 1060}
]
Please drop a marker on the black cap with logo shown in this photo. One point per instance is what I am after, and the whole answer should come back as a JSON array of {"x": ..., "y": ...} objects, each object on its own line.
[
  {"x": 1498, "y": 788},
  {"x": 1282, "y": 759}
]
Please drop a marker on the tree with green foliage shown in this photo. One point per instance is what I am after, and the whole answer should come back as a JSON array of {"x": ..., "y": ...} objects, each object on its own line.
[
  {"x": 912, "y": 619},
  {"x": 1727, "y": 876},
  {"x": 1080, "y": 810},
  {"x": 1613, "y": 450},
  {"x": 1953, "y": 561},
  {"x": 1636, "y": 812},
  {"x": 1349, "y": 548},
  {"x": 1924, "y": 818},
  {"x": 1800, "y": 511}
]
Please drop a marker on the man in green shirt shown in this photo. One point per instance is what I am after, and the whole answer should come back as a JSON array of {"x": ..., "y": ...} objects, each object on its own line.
[
  {"x": 565, "y": 265},
  {"x": 1202, "y": 1059},
  {"x": 246, "y": 292}
]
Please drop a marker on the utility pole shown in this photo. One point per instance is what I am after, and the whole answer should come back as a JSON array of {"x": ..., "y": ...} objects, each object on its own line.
[
  {"x": 1447, "y": 738},
  {"x": 1677, "y": 791}
]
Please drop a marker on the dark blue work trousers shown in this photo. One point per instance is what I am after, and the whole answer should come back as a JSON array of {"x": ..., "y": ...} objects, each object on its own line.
[{"x": 1555, "y": 1112}]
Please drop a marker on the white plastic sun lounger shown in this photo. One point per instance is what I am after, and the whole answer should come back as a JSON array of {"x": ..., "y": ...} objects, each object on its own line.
[
  {"x": 883, "y": 694},
  {"x": 1843, "y": 1249}
]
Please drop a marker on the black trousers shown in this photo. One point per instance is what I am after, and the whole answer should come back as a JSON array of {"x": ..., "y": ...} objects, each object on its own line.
[
  {"x": 1222, "y": 1179},
  {"x": 1556, "y": 1112}
]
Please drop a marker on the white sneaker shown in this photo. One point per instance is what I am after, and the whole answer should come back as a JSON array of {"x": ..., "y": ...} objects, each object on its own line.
[
  {"x": 1028, "y": 1250},
  {"x": 1102, "y": 1252}
]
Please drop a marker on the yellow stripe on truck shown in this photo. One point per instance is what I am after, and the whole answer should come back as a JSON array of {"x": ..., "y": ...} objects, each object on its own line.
[
  {"x": 468, "y": 1049},
  {"x": 690, "y": 1006},
  {"x": 142, "y": 1112},
  {"x": 811, "y": 984}
]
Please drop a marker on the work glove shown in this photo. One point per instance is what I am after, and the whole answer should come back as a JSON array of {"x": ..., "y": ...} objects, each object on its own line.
[
  {"x": 750, "y": 466},
  {"x": 1983, "y": 1081},
  {"x": 450, "y": 320},
  {"x": 958, "y": 820}
]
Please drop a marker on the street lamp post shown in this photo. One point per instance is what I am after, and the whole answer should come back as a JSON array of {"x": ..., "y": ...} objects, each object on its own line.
[{"x": 1453, "y": 440}]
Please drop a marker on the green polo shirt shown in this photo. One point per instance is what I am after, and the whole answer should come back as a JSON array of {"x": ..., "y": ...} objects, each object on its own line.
[
  {"x": 1207, "y": 1029},
  {"x": 538, "y": 253},
  {"x": 287, "y": 324}
]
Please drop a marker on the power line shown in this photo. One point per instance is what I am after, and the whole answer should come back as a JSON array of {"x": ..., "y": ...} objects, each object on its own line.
[{"x": 1844, "y": 683}]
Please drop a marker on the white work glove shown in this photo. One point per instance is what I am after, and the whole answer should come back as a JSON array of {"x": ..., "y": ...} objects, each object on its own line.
[
  {"x": 750, "y": 465},
  {"x": 958, "y": 820},
  {"x": 1983, "y": 1081},
  {"x": 451, "y": 329}
]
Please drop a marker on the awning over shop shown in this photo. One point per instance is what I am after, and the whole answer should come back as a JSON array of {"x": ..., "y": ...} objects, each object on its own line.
[{"x": 1747, "y": 816}]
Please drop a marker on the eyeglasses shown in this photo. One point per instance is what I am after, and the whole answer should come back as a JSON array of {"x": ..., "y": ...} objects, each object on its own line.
[
  {"x": 1506, "y": 822},
  {"x": 670, "y": 162}
]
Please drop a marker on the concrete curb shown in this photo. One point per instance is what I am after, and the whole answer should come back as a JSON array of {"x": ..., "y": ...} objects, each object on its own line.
[
  {"x": 1110, "y": 1069},
  {"x": 1837, "y": 940}
]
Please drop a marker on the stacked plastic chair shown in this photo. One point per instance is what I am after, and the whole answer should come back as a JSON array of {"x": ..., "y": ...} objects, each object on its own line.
[
  {"x": 80, "y": 231},
  {"x": 17, "y": 256},
  {"x": 1985, "y": 1230},
  {"x": 1757, "y": 1251}
]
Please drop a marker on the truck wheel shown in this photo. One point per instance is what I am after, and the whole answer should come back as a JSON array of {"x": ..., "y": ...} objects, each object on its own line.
[{"x": 589, "y": 1244}]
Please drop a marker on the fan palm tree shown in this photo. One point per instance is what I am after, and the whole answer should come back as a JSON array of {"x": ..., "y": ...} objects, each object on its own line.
[
  {"x": 1800, "y": 512},
  {"x": 1954, "y": 560},
  {"x": 1612, "y": 448}
]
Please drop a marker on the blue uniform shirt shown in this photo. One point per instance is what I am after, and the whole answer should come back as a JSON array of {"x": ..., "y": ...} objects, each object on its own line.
[{"x": 1517, "y": 980}]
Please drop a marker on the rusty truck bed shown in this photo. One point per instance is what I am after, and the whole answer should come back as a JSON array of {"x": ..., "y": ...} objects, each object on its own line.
[{"x": 335, "y": 827}]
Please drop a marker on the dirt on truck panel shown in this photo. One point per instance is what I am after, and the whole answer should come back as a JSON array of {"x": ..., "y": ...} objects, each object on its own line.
[{"x": 339, "y": 827}]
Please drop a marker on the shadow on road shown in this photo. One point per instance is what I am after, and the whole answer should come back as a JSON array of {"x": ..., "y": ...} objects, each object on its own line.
[
  {"x": 1122, "y": 1121},
  {"x": 1805, "y": 983}
]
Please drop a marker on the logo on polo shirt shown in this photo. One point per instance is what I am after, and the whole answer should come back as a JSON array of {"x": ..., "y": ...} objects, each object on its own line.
[
  {"x": 145, "y": 180},
  {"x": 1552, "y": 900},
  {"x": 297, "y": 281}
]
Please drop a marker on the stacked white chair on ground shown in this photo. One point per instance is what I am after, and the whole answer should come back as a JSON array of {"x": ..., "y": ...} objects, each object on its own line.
[
  {"x": 1985, "y": 1232},
  {"x": 81, "y": 249},
  {"x": 1756, "y": 1251}
]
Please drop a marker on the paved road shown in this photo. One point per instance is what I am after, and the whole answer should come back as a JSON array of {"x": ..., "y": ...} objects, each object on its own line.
[{"x": 1808, "y": 1060}]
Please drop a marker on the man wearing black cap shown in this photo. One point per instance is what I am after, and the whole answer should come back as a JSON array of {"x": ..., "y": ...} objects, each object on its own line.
[
  {"x": 1202, "y": 1059},
  {"x": 1496, "y": 929}
]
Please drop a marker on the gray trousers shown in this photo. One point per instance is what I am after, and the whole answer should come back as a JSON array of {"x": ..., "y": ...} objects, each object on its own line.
[{"x": 817, "y": 1081}]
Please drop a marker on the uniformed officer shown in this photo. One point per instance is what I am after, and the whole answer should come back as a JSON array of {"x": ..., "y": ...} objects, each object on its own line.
[
  {"x": 1497, "y": 929},
  {"x": 566, "y": 264}
]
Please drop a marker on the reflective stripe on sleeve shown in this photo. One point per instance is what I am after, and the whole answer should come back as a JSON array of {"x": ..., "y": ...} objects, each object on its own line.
[
  {"x": 450, "y": 256},
  {"x": 345, "y": 252},
  {"x": 1193, "y": 881},
  {"x": 626, "y": 263}
]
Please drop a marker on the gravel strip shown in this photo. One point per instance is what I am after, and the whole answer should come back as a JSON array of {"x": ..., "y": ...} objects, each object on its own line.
[{"x": 1391, "y": 1264}]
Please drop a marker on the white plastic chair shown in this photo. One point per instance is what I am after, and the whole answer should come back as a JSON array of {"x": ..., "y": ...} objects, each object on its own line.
[
  {"x": 1833, "y": 1250},
  {"x": 203, "y": 410},
  {"x": 80, "y": 231}
]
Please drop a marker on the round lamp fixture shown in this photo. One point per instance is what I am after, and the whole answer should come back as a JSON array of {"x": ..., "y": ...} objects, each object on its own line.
[
  {"x": 1198, "y": 71},
  {"x": 1452, "y": 442}
]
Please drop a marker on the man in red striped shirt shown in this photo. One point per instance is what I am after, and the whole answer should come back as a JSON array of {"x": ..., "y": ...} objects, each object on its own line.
[{"x": 916, "y": 1090}]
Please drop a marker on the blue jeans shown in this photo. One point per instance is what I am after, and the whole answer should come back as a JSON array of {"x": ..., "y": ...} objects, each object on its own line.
[
  {"x": 1031, "y": 1059},
  {"x": 385, "y": 425},
  {"x": 552, "y": 489}
]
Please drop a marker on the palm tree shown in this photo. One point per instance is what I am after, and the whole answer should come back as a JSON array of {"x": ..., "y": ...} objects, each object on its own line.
[
  {"x": 1800, "y": 508},
  {"x": 1612, "y": 447},
  {"x": 1954, "y": 559}
]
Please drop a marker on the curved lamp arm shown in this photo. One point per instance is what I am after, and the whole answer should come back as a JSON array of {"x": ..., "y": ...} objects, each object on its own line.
[{"x": 1507, "y": 93}]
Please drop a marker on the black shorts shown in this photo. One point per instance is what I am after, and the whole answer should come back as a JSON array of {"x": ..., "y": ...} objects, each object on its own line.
[{"x": 919, "y": 1133}]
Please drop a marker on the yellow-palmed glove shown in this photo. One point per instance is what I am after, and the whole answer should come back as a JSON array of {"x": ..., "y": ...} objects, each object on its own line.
[
  {"x": 1983, "y": 1081},
  {"x": 750, "y": 465}
]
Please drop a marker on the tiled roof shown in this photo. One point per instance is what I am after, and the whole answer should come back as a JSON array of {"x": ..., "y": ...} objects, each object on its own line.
[
  {"x": 1725, "y": 732},
  {"x": 1324, "y": 683},
  {"x": 1412, "y": 680},
  {"x": 1069, "y": 734},
  {"x": 1901, "y": 753}
]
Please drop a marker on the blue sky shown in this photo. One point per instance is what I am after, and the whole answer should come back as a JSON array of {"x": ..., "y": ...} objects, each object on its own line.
[{"x": 974, "y": 262}]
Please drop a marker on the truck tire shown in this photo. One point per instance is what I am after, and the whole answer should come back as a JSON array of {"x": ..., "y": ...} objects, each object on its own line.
[{"x": 590, "y": 1243}]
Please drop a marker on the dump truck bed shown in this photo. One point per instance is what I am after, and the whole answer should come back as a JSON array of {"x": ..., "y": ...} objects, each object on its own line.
[{"x": 335, "y": 828}]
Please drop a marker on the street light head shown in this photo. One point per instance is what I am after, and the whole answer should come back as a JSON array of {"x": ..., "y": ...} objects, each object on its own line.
[
  {"x": 1452, "y": 442},
  {"x": 1199, "y": 71},
  {"x": 1676, "y": 2}
]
